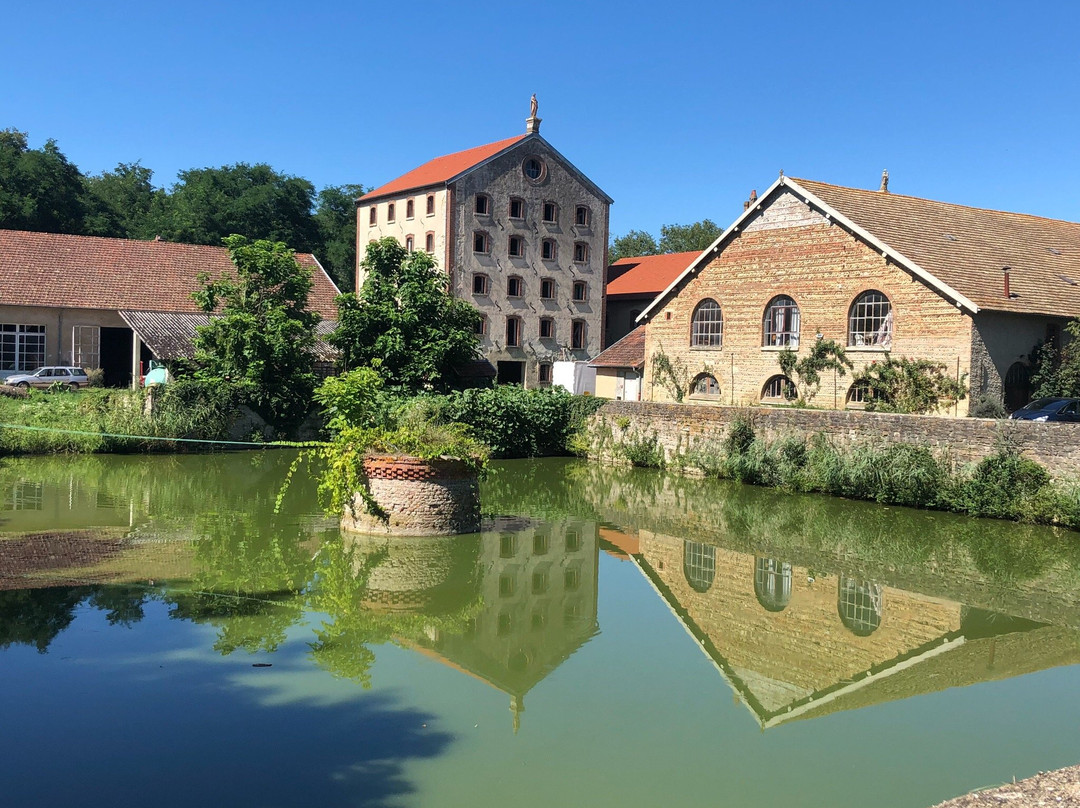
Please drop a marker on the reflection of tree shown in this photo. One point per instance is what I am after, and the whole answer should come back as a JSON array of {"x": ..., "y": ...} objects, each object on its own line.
[
  {"x": 341, "y": 591},
  {"x": 123, "y": 605},
  {"x": 36, "y": 616},
  {"x": 248, "y": 580}
]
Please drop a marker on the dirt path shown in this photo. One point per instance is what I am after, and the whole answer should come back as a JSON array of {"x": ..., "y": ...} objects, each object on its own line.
[{"x": 1056, "y": 788}]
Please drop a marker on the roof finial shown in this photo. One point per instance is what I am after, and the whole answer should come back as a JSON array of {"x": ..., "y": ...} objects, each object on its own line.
[
  {"x": 781, "y": 173},
  {"x": 885, "y": 181},
  {"x": 532, "y": 123}
]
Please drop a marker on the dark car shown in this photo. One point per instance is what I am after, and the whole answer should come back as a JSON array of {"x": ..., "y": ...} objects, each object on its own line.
[{"x": 1050, "y": 409}]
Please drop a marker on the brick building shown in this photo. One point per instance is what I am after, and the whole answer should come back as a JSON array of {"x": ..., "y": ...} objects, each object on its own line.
[
  {"x": 521, "y": 233},
  {"x": 974, "y": 290},
  {"x": 112, "y": 303},
  {"x": 632, "y": 284}
]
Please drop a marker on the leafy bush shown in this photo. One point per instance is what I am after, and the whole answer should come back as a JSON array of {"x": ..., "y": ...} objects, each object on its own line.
[
  {"x": 1007, "y": 486},
  {"x": 916, "y": 386},
  {"x": 987, "y": 406},
  {"x": 740, "y": 436},
  {"x": 354, "y": 398},
  {"x": 643, "y": 451},
  {"x": 516, "y": 422}
]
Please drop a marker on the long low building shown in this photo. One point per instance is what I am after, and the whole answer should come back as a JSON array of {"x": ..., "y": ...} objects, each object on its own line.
[
  {"x": 973, "y": 290},
  {"x": 110, "y": 303}
]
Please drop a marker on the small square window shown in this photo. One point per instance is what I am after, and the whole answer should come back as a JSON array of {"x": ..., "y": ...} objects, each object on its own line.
[
  {"x": 390, "y": 212},
  {"x": 514, "y": 286},
  {"x": 431, "y": 205},
  {"x": 481, "y": 243},
  {"x": 551, "y": 213},
  {"x": 479, "y": 284},
  {"x": 581, "y": 291},
  {"x": 429, "y": 242},
  {"x": 409, "y": 243},
  {"x": 573, "y": 541},
  {"x": 373, "y": 216},
  {"x": 581, "y": 252},
  {"x": 577, "y": 336},
  {"x": 480, "y": 329},
  {"x": 572, "y": 579},
  {"x": 544, "y": 372},
  {"x": 517, "y": 247},
  {"x": 547, "y": 249},
  {"x": 517, "y": 208},
  {"x": 507, "y": 545},
  {"x": 409, "y": 209},
  {"x": 539, "y": 583},
  {"x": 541, "y": 544},
  {"x": 547, "y": 328},
  {"x": 506, "y": 585},
  {"x": 547, "y": 289},
  {"x": 483, "y": 205},
  {"x": 581, "y": 216}
]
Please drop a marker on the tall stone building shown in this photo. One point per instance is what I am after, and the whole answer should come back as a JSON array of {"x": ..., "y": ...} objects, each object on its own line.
[{"x": 521, "y": 233}]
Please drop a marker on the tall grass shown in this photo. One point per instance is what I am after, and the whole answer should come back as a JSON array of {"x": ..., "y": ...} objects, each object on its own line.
[{"x": 1002, "y": 486}]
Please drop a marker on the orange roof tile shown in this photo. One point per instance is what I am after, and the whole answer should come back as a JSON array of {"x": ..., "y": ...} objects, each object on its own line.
[
  {"x": 441, "y": 169},
  {"x": 629, "y": 352},
  {"x": 87, "y": 272},
  {"x": 648, "y": 274}
]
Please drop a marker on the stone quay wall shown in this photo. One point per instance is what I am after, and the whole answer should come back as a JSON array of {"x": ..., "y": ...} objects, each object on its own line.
[
  {"x": 417, "y": 497},
  {"x": 680, "y": 427}
]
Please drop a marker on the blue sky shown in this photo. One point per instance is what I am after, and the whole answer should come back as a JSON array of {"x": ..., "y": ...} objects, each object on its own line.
[{"x": 676, "y": 109}]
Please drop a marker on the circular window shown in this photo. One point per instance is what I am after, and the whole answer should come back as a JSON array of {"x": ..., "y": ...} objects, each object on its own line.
[{"x": 533, "y": 168}]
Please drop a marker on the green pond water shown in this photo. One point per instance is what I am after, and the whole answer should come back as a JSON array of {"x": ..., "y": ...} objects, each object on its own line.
[{"x": 613, "y": 637}]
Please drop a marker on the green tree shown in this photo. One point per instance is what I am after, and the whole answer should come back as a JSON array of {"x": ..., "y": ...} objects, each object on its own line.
[
  {"x": 633, "y": 244},
  {"x": 1056, "y": 372},
  {"x": 39, "y": 189},
  {"x": 208, "y": 204},
  {"x": 262, "y": 336},
  {"x": 825, "y": 354},
  {"x": 336, "y": 219},
  {"x": 694, "y": 237},
  {"x": 124, "y": 203},
  {"x": 405, "y": 318}
]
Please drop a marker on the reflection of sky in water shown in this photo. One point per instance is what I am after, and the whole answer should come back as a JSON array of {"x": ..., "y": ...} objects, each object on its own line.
[{"x": 621, "y": 678}]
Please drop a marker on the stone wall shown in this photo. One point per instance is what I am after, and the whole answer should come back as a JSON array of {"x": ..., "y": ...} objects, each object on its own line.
[
  {"x": 418, "y": 498},
  {"x": 679, "y": 427}
]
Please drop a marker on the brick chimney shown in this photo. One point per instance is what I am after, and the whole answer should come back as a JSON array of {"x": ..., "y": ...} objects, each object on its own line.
[
  {"x": 1005, "y": 271},
  {"x": 750, "y": 202}
]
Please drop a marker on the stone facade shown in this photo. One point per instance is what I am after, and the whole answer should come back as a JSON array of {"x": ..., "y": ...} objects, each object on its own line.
[
  {"x": 530, "y": 256},
  {"x": 680, "y": 426},
  {"x": 417, "y": 497},
  {"x": 789, "y": 249}
]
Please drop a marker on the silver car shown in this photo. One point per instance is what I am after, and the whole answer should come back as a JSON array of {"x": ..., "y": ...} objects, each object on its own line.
[{"x": 48, "y": 376}]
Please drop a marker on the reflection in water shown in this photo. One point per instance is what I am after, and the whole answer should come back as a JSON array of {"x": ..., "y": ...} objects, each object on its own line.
[
  {"x": 772, "y": 583},
  {"x": 791, "y": 660}
]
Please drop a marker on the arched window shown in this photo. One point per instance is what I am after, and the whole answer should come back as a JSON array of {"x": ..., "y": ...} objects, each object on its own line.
[
  {"x": 772, "y": 583},
  {"x": 779, "y": 388},
  {"x": 870, "y": 321},
  {"x": 859, "y": 604},
  {"x": 857, "y": 395},
  {"x": 699, "y": 565},
  {"x": 780, "y": 327},
  {"x": 707, "y": 325},
  {"x": 1017, "y": 386},
  {"x": 705, "y": 386}
]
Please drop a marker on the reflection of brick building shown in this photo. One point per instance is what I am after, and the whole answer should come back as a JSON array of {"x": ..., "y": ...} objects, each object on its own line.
[
  {"x": 796, "y": 644},
  {"x": 538, "y": 583}
]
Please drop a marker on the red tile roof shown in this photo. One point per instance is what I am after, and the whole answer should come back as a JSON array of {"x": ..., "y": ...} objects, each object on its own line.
[
  {"x": 441, "y": 169},
  {"x": 648, "y": 274},
  {"x": 87, "y": 272},
  {"x": 629, "y": 352}
]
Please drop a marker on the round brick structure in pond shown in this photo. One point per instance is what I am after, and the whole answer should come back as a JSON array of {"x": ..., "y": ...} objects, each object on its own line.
[{"x": 417, "y": 497}]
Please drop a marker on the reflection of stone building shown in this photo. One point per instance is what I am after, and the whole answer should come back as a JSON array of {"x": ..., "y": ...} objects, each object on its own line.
[
  {"x": 794, "y": 643},
  {"x": 538, "y": 582}
]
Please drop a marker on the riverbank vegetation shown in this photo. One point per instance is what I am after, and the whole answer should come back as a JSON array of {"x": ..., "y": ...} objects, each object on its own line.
[{"x": 1004, "y": 485}]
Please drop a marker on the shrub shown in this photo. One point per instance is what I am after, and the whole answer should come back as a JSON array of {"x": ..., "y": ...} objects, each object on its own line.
[
  {"x": 354, "y": 398},
  {"x": 740, "y": 436},
  {"x": 916, "y": 386},
  {"x": 642, "y": 450},
  {"x": 987, "y": 406},
  {"x": 1006, "y": 486}
]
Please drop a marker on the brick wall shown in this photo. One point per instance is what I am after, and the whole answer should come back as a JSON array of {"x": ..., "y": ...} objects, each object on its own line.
[
  {"x": 787, "y": 249},
  {"x": 679, "y": 426}
]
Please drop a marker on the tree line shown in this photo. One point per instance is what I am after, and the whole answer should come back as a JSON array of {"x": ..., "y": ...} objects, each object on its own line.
[
  {"x": 41, "y": 190},
  {"x": 674, "y": 238}
]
